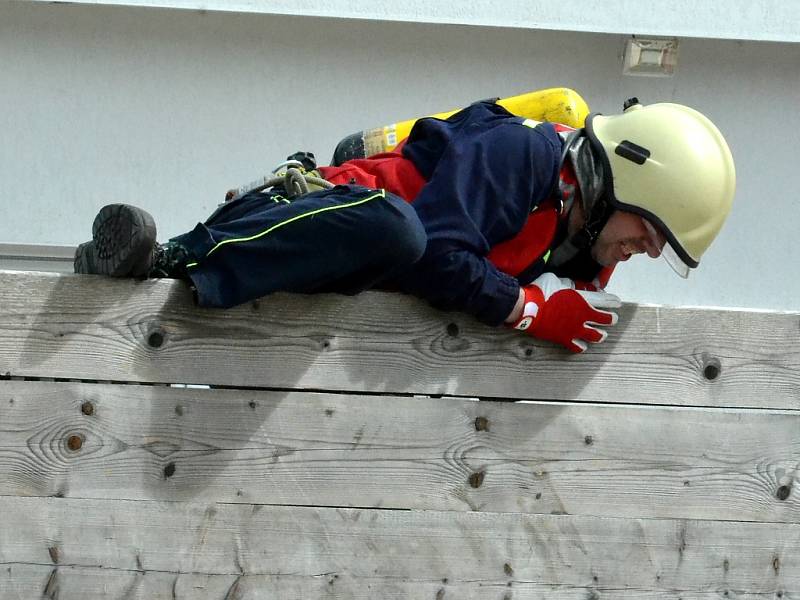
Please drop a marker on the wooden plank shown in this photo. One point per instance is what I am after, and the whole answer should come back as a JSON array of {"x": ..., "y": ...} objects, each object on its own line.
[
  {"x": 143, "y": 442},
  {"x": 23, "y": 581},
  {"x": 91, "y": 327},
  {"x": 485, "y": 550}
]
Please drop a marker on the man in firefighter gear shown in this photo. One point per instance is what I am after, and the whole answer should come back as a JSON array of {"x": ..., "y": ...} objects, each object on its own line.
[{"x": 514, "y": 221}]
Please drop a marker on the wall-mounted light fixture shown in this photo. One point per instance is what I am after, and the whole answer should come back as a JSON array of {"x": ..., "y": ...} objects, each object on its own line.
[{"x": 651, "y": 57}]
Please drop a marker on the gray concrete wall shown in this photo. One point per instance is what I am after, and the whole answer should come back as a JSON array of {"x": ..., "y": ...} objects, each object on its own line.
[
  {"x": 167, "y": 109},
  {"x": 767, "y": 20}
]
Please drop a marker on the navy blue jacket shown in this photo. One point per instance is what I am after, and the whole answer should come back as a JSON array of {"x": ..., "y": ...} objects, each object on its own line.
[{"x": 486, "y": 171}]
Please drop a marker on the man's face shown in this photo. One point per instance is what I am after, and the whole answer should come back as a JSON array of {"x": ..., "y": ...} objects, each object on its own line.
[{"x": 624, "y": 235}]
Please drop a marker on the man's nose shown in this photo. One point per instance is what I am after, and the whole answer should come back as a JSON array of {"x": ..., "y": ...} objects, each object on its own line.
[{"x": 654, "y": 241}]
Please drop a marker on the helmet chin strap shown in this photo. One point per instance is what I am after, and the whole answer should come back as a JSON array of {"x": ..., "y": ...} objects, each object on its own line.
[{"x": 597, "y": 210}]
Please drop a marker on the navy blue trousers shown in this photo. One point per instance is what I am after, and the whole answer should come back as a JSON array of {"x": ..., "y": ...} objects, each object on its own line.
[{"x": 343, "y": 240}]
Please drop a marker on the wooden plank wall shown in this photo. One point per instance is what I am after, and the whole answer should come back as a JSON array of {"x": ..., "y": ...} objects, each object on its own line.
[{"x": 371, "y": 447}]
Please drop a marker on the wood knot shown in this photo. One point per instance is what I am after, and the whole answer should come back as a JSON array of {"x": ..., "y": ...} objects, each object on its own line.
[
  {"x": 481, "y": 424},
  {"x": 87, "y": 408},
  {"x": 156, "y": 338},
  {"x": 508, "y": 570},
  {"x": 476, "y": 479},
  {"x": 588, "y": 440},
  {"x": 711, "y": 368},
  {"x": 453, "y": 340},
  {"x": 783, "y": 492},
  {"x": 169, "y": 470},
  {"x": 75, "y": 442}
]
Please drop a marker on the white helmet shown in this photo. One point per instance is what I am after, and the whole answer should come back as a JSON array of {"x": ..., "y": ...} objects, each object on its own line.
[{"x": 671, "y": 165}]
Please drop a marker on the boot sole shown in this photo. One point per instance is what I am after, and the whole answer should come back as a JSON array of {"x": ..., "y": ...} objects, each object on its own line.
[{"x": 122, "y": 243}]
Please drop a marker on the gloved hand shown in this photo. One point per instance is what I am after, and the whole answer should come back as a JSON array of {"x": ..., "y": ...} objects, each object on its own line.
[{"x": 554, "y": 310}]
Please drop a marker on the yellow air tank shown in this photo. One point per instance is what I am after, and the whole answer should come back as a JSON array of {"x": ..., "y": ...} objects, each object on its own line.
[{"x": 557, "y": 105}]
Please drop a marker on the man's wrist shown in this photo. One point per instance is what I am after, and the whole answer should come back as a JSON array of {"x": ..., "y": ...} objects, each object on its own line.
[{"x": 516, "y": 312}]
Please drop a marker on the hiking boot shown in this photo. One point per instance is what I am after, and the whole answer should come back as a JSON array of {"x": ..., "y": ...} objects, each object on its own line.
[{"x": 122, "y": 245}]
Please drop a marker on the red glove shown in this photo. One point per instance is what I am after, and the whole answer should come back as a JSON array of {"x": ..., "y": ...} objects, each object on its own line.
[{"x": 553, "y": 310}]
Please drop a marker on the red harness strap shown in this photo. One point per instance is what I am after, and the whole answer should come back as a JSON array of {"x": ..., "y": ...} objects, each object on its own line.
[{"x": 530, "y": 244}]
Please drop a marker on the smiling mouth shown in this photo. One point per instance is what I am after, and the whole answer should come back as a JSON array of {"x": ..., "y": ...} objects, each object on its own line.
[{"x": 624, "y": 253}]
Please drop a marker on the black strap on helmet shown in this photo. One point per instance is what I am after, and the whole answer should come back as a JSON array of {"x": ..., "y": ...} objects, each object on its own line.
[{"x": 589, "y": 172}]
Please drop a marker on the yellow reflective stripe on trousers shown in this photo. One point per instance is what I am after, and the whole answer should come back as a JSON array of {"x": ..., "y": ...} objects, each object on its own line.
[{"x": 380, "y": 194}]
